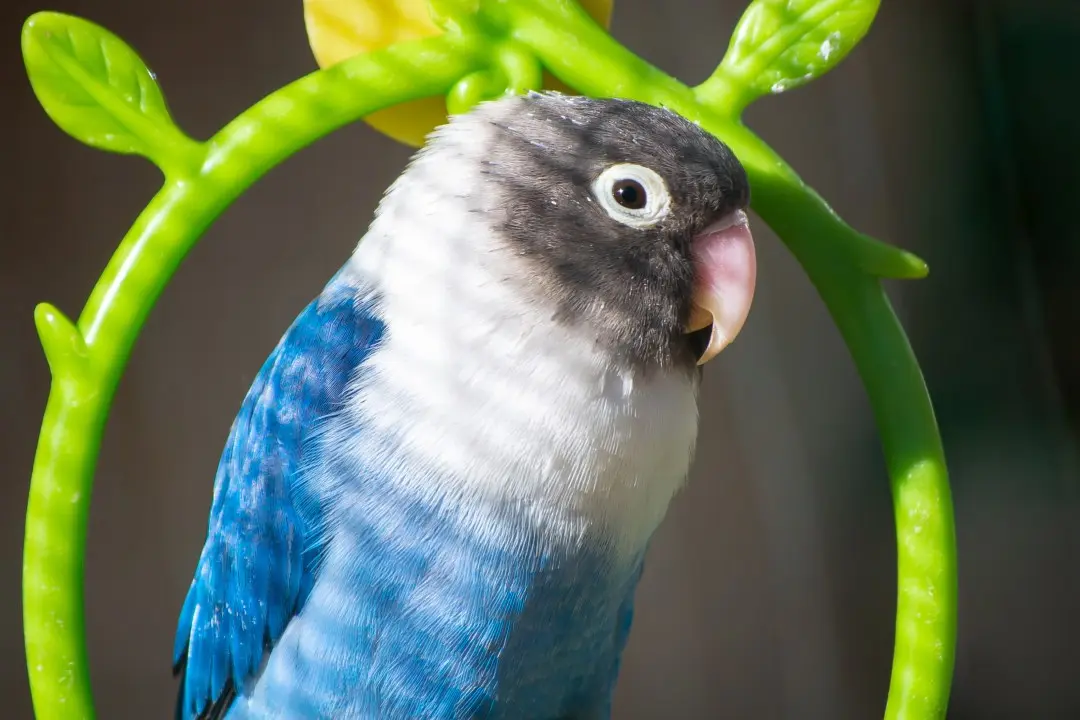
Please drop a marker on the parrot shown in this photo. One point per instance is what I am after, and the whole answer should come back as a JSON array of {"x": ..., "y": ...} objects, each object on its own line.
[{"x": 436, "y": 498}]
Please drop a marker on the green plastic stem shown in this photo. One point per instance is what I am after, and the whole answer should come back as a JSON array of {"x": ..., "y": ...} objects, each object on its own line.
[{"x": 489, "y": 47}]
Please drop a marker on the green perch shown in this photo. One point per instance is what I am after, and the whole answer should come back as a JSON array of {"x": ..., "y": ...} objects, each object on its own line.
[{"x": 98, "y": 90}]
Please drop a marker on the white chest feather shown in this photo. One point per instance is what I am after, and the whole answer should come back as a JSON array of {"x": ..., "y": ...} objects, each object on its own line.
[{"x": 482, "y": 388}]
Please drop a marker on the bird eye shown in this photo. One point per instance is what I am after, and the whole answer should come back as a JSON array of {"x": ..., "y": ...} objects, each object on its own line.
[{"x": 632, "y": 194}]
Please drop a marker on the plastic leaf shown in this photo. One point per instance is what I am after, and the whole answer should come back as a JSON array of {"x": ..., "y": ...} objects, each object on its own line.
[
  {"x": 96, "y": 88},
  {"x": 782, "y": 44}
]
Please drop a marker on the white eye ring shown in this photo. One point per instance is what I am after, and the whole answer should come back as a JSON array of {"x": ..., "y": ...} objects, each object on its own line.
[{"x": 641, "y": 212}]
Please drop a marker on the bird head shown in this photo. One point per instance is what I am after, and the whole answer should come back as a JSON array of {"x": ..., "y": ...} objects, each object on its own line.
[
  {"x": 627, "y": 221},
  {"x": 630, "y": 217}
]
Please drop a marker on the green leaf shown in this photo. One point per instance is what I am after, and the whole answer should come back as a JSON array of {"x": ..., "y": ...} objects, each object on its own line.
[
  {"x": 782, "y": 44},
  {"x": 97, "y": 89}
]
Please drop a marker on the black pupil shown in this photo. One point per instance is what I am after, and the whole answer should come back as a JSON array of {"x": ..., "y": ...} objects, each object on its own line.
[{"x": 630, "y": 194}]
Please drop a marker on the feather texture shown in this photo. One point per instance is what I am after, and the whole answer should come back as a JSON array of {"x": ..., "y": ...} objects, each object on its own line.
[{"x": 256, "y": 566}]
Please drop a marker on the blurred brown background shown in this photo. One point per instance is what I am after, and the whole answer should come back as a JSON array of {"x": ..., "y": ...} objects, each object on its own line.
[{"x": 770, "y": 592}]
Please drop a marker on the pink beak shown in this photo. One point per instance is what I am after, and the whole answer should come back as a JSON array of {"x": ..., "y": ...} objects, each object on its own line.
[{"x": 725, "y": 274}]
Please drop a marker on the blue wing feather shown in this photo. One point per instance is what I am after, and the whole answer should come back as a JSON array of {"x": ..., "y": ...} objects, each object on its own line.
[{"x": 257, "y": 564}]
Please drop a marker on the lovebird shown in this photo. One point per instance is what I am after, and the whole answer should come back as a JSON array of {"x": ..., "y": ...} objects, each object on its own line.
[{"x": 436, "y": 499}]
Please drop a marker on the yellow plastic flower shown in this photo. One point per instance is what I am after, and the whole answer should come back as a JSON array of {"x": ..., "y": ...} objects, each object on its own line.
[{"x": 340, "y": 29}]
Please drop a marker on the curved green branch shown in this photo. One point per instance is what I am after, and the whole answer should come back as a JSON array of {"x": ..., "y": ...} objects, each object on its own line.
[{"x": 98, "y": 90}]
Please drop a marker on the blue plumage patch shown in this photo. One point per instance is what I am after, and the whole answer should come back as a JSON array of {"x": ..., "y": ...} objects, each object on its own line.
[
  {"x": 417, "y": 612},
  {"x": 478, "y": 615},
  {"x": 256, "y": 565}
]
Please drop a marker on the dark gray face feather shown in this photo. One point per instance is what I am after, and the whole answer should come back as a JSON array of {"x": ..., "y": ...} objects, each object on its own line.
[{"x": 632, "y": 285}]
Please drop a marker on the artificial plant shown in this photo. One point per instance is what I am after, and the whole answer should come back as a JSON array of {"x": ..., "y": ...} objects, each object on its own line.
[{"x": 97, "y": 89}]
